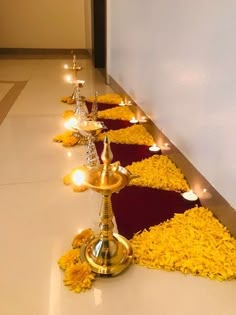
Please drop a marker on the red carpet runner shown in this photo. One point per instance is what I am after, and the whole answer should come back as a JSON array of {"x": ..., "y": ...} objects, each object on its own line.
[{"x": 136, "y": 208}]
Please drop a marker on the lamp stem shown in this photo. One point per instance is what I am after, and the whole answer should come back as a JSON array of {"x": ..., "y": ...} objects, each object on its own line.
[{"x": 106, "y": 214}]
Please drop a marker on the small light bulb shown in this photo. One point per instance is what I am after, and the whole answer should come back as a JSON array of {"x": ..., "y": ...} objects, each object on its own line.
[{"x": 66, "y": 67}]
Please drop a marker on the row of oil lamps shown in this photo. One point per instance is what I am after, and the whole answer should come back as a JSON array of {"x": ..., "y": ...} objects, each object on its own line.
[{"x": 107, "y": 253}]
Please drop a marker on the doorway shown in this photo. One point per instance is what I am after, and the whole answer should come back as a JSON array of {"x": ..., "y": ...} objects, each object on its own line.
[{"x": 98, "y": 8}]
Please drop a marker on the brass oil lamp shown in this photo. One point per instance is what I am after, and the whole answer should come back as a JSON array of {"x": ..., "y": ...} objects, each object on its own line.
[
  {"x": 107, "y": 253},
  {"x": 90, "y": 129},
  {"x": 74, "y": 69}
]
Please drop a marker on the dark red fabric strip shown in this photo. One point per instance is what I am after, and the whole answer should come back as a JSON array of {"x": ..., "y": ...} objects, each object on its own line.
[
  {"x": 137, "y": 208},
  {"x": 116, "y": 124},
  {"x": 126, "y": 153},
  {"x": 101, "y": 106}
]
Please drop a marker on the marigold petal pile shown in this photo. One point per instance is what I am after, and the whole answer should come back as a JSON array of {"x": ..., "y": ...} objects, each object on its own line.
[
  {"x": 194, "y": 243},
  {"x": 122, "y": 113},
  {"x": 136, "y": 134},
  {"x": 158, "y": 172},
  {"x": 111, "y": 98}
]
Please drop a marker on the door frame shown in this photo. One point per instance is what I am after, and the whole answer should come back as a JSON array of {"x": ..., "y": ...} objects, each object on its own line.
[{"x": 107, "y": 40}]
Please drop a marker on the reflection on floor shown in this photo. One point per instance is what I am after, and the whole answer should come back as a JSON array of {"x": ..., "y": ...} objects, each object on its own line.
[{"x": 39, "y": 216}]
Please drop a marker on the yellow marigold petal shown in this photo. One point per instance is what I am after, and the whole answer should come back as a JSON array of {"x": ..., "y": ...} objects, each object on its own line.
[
  {"x": 136, "y": 134},
  {"x": 68, "y": 114},
  {"x": 80, "y": 188},
  {"x": 79, "y": 277},
  {"x": 69, "y": 258},
  {"x": 70, "y": 141},
  {"x": 58, "y": 138},
  {"x": 122, "y": 113},
  {"x": 107, "y": 99},
  {"x": 82, "y": 238},
  {"x": 67, "y": 99},
  {"x": 64, "y": 99},
  {"x": 61, "y": 137},
  {"x": 158, "y": 172},
  {"x": 67, "y": 179},
  {"x": 194, "y": 242}
]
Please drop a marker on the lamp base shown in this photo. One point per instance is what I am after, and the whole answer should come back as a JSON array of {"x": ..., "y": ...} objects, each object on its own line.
[{"x": 107, "y": 257}]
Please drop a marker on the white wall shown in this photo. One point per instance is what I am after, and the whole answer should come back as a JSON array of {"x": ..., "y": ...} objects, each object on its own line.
[
  {"x": 88, "y": 24},
  {"x": 42, "y": 24},
  {"x": 177, "y": 59}
]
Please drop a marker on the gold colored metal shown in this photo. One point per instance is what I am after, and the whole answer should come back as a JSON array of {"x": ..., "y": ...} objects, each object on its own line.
[
  {"x": 74, "y": 68},
  {"x": 90, "y": 129},
  {"x": 108, "y": 253}
]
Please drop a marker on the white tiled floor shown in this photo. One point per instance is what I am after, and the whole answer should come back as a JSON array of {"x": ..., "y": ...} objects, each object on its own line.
[
  {"x": 39, "y": 216},
  {"x": 4, "y": 89}
]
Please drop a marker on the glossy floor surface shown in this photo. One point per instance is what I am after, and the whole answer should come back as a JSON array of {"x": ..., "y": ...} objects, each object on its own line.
[{"x": 39, "y": 216}]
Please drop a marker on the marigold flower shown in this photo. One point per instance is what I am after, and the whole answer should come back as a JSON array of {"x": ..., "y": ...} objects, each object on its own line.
[
  {"x": 122, "y": 113},
  {"x": 70, "y": 141},
  {"x": 158, "y": 172},
  {"x": 80, "y": 188},
  {"x": 194, "y": 242},
  {"x": 61, "y": 137},
  {"x": 68, "y": 114},
  {"x": 136, "y": 134},
  {"x": 82, "y": 238},
  {"x": 68, "y": 99},
  {"x": 79, "y": 277},
  {"x": 69, "y": 258},
  {"x": 64, "y": 99},
  {"x": 67, "y": 139},
  {"x": 106, "y": 99},
  {"x": 67, "y": 179}
]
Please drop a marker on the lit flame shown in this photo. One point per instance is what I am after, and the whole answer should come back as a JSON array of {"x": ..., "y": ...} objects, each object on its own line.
[
  {"x": 133, "y": 120},
  {"x": 70, "y": 123},
  {"x": 78, "y": 177},
  {"x": 143, "y": 119},
  {"x": 190, "y": 195},
  {"x": 154, "y": 148},
  {"x": 66, "y": 66},
  {"x": 68, "y": 78}
]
